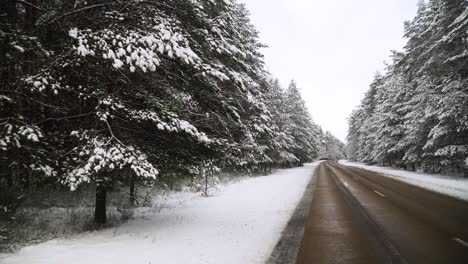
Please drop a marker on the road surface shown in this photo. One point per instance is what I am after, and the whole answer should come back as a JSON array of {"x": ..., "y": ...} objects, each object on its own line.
[{"x": 357, "y": 216}]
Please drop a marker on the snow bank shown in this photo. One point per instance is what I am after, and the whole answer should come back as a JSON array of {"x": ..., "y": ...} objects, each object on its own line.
[
  {"x": 239, "y": 224},
  {"x": 455, "y": 187}
]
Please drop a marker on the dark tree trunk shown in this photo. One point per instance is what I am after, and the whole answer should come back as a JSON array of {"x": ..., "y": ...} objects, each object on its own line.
[
  {"x": 5, "y": 173},
  {"x": 206, "y": 184},
  {"x": 171, "y": 181},
  {"x": 100, "y": 207},
  {"x": 31, "y": 15},
  {"x": 132, "y": 189},
  {"x": 27, "y": 182},
  {"x": 12, "y": 180}
]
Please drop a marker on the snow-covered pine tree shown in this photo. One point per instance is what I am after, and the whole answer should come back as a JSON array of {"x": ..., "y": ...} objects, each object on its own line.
[
  {"x": 425, "y": 125},
  {"x": 300, "y": 126},
  {"x": 282, "y": 142},
  {"x": 331, "y": 147},
  {"x": 111, "y": 93}
]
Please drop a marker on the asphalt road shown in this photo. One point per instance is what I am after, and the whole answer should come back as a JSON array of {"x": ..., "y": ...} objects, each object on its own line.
[{"x": 357, "y": 216}]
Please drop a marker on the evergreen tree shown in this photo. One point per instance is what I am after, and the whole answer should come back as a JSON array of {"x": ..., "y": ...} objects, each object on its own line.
[
  {"x": 416, "y": 115},
  {"x": 300, "y": 126},
  {"x": 331, "y": 147},
  {"x": 114, "y": 94}
]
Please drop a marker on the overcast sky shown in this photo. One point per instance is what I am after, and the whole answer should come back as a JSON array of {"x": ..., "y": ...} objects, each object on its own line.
[{"x": 332, "y": 49}]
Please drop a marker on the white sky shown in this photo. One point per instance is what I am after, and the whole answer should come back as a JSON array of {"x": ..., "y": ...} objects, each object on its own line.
[{"x": 332, "y": 49}]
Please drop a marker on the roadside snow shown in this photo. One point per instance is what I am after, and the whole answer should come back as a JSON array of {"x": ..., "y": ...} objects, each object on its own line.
[
  {"x": 455, "y": 187},
  {"x": 239, "y": 224}
]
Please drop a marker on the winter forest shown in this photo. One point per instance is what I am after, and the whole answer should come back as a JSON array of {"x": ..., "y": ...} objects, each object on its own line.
[
  {"x": 159, "y": 127},
  {"x": 122, "y": 94},
  {"x": 415, "y": 115}
]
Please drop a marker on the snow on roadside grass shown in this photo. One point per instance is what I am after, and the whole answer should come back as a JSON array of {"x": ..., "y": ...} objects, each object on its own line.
[
  {"x": 47, "y": 215},
  {"x": 239, "y": 224},
  {"x": 455, "y": 187}
]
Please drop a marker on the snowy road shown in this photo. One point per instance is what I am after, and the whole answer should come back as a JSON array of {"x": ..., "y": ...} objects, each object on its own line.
[
  {"x": 240, "y": 224},
  {"x": 358, "y": 216}
]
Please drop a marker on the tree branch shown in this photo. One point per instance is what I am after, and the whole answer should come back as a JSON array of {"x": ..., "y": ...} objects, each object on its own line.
[
  {"x": 31, "y": 5},
  {"x": 112, "y": 133},
  {"x": 157, "y": 3},
  {"x": 79, "y": 11},
  {"x": 64, "y": 118}
]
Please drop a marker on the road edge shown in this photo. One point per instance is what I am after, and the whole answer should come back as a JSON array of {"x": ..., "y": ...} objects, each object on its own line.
[{"x": 288, "y": 246}]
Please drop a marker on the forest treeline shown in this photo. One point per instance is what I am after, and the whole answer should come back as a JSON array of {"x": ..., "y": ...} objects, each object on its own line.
[
  {"x": 415, "y": 115},
  {"x": 117, "y": 93}
]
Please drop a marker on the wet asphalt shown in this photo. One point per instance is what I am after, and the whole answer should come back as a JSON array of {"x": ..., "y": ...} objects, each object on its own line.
[{"x": 358, "y": 216}]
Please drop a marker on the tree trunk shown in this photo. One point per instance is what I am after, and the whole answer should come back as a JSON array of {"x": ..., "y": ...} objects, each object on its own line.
[
  {"x": 132, "y": 189},
  {"x": 31, "y": 15},
  {"x": 171, "y": 181},
  {"x": 100, "y": 207},
  {"x": 5, "y": 172},
  {"x": 27, "y": 183},
  {"x": 13, "y": 177},
  {"x": 206, "y": 184}
]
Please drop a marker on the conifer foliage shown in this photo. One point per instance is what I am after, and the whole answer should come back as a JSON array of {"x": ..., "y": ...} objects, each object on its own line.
[
  {"x": 415, "y": 115},
  {"x": 110, "y": 93}
]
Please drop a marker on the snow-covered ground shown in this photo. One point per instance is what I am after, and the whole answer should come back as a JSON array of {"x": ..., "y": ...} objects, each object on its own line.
[
  {"x": 455, "y": 187},
  {"x": 241, "y": 223}
]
